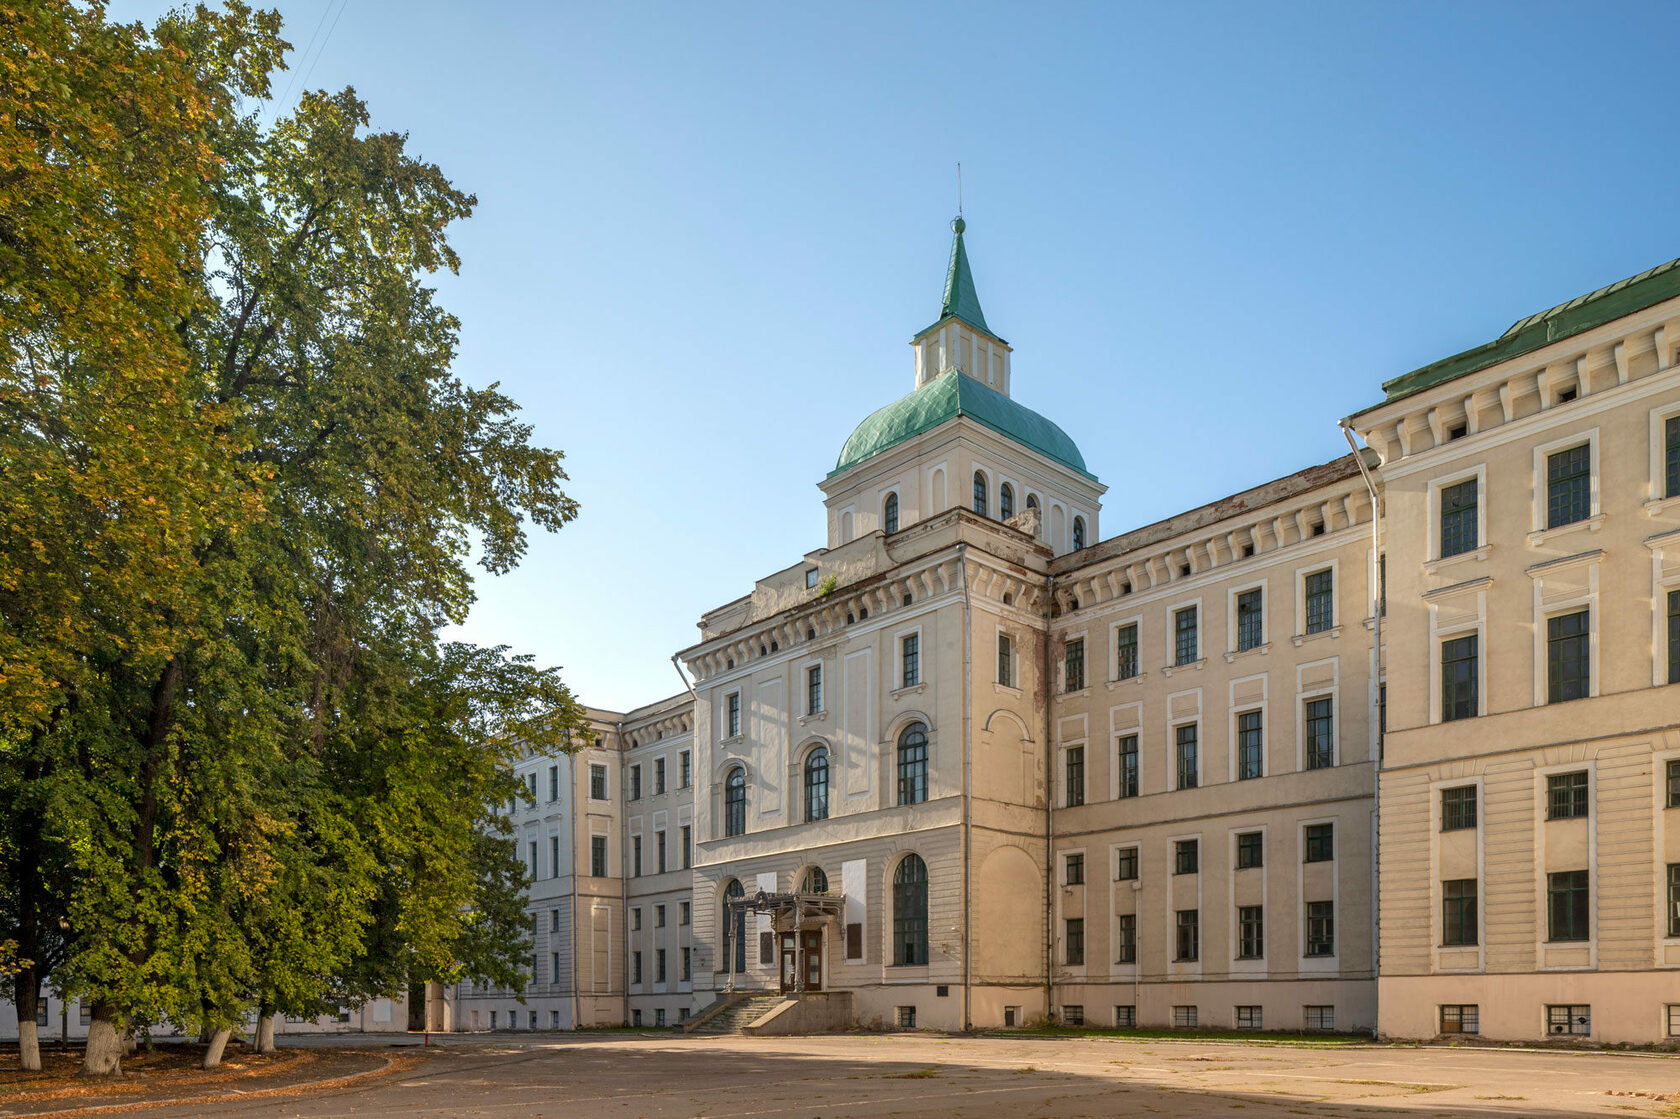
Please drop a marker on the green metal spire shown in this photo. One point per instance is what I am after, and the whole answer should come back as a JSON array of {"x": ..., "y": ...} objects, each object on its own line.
[{"x": 960, "y": 297}]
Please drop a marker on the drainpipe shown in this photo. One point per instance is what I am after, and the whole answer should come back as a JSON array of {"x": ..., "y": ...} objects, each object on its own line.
[
  {"x": 1049, "y": 809},
  {"x": 1372, "y": 706},
  {"x": 623, "y": 875},
  {"x": 683, "y": 676},
  {"x": 968, "y": 789},
  {"x": 577, "y": 1002}
]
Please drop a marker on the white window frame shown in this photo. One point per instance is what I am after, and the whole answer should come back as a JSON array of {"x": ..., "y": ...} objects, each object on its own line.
[
  {"x": 1656, "y": 501},
  {"x": 1665, "y": 577},
  {"x": 1172, "y": 751},
  {"x": 1538, "y": 492},
  {"x": 1172, "y": 635},
  {"x": 1544, "y": 867},
  {"x": 1115, "y": 733},
  {"x": 1333, "y": 691},
  {"x": 805, "y": 668},
  {"x": 898, "y": 684},
  {"x": 1480, "y": 552},
  {"x": 1574, "y": 604},
  {"x": 1113, "y": 658},
  {"x": 1439, "y": 634},
  {"x": 1231, "y": 650},
  {"x": 1084, "y": 638},
  {"x": 1085, "y": 773},
  {"x": 1014, "y": 684},
  {"x": 1332, "y": 962},
  {"x": 1301, "y": 573},
  {"x": 741, "y": 712}
]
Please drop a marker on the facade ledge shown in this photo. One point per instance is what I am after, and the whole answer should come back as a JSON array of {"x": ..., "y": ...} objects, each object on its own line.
[
  {"x": 1136, "y": 678},
  {"x": 1301, "y": 639},
  {"x": 913, "y": 689},
  {"x": 1671, "y": 538},
  {"x": 1657, "y": 506},
  {"x": 1258, "y": 650},
  {"x": 813, "y": 717},
  {"x": 1189, "y": 666},
  {"x": 1591, "y": 524},
  {"x": 1079, "y": 694},
  {"x": 732, "y": 740},
  {"x": 1535, "y": 571},
  {"x": 1475, "y": 555},
  {"x": 1457, "y": 588},
  {"x": 1005, "y": 689}
]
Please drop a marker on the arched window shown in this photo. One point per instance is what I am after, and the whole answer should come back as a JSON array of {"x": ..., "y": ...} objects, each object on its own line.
[
  {"x": 816, "y": 882},
  {"x": 910, "y": 912},
  {"x": 735, "y": 925},
  {"x": 1078, "y": 533},
  {"x": 980, "y": 493},
  {"x": 913, "y": 765},
  {"x": 735, "y": 802},
  {"x": 889, "y": 513},
  {"x": 816, "y": 784},
  {"x": 1032, "y": 501},
  {"x": 1006, "y": 502}
]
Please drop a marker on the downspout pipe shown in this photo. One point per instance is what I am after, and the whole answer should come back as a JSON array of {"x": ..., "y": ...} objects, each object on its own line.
[
  {"x": 683, "y": 676},
  {"x": 1049, "y": 808},
  {"x": 1372, "y": 702},
  {"x": 968, "y": 789}
]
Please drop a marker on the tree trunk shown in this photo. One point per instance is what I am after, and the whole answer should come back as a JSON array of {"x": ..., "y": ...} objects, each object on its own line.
[
  {"x": 130, "y": 1043},
  {"x": 265, "y": 1031},
  {"x": 104, "y": 1044},
  {"x": 28, "y": 998},
  {"x": 218, "y": 1042}
]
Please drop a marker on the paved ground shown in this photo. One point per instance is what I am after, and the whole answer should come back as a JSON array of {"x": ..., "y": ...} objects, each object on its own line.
[{"x": 627, "y": 1076}]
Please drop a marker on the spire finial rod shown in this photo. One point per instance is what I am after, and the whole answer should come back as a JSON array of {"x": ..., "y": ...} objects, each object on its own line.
[{"x": 959, "y": 188}]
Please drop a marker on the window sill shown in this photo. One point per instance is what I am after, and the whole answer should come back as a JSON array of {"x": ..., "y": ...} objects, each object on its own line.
[
  {"x": 1136, "y": 678},
  {"x": 731, "y": 740},
  {"x": 1475, "y": 555},
  {"x": 1258, "y": 650},
  {"x": 1660, "y": 505},
  {"x": 1591, "y": 524},
  {"x": 1078, "y": 693},
  {"x": 913, "y": 689},
  {"x": 1189, "y": 666},
  {"x": 1301, "y": 639},
  {"x": 1005, "y": 689},
  {"x": 813, "y": 717}
]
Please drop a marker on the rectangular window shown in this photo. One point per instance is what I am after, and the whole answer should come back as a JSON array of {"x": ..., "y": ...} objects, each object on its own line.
[
  {"x": 533, "y": 867},
  {"x": 1459, "y": 515},
  {"x": 1185, "y": 740},
  {"x": 1126, "y": 652},
  {"x": 1674, "y": 1019},
  {"x": 1320, "y": 843},
  {"x": 1125, "y": 1017},
  {"x": 1321, "y": 928},
  {"x": 1458, "y": 913},
  {"x": 635, "y": 782},
  {"x": 553, "y": 920},
  {"x": 1250, "y": 1018},
  {"x": 1251, "y": 850},
  {"x": 1674, "y": 783},
  {"x": 906, "y": 1017},
  {"x": 1189, "y": 941},
  {"x": 685, "y": 912},
  {"x": 658, "y": 776},
  {"x": 687, "y": 969},
  {"x": 732, "y": 715},
  {"x": 1671, "y": 457},
  {"x": 1186, "y": 856},
  {"x": 1074, "y": 766},
  {"x": 1125, "y": 937},
  {"x": 636, "y": 919},
  {"x": 687, "y": 846},
  {"x": 1073, "y": 666},
  {"x": 530, "y": 788},
  {"x": 813, "y": 690},
  {"x": 1567, "y": 657},
  {"x": 1075, "y": 867},
  {"x": 1251, "y": 932},
  {"x": 598, "y": 856},
  {"x": 597, "y": 782},
  {"x": 910, "y": 649},
  {"x": 1566, "y": 795},
  {"x": 635, "y": 967},
  {"x": 554, "y": 967},
  {"x": 1575, "y": 1020},
  {"x": 1184, "y": 1017},
  {"x": 1458, "y": 679},
  {"x": 685, "y": 770},
  {"x": 1566, "y": 905},
  {"x": 1458, "y": 807},
  {"x": 635, "y": 856},
  {"x": 554, "y": 856},
  {"x": 1461, "y": 1018},
  {"x": 1128, "y": 765},
  {"x": 1320, "y": 592},
  {"x": 1006, "y": 661},
  {"x": 553, "y": 783},
  {"x": 1250, "y": 745},
  {"x": 1250, "y": 620},
  {"x": 659, "y": 966},
  {"x": 1674, "y": 637},
  {"x": 1184, "y": 636},
  {"x": 1073, "y": 1015},
  {"x": 1319, "y": 1017},
  {"x": 659, "y": 852},
  {"x": 1126, "y": 864},
  {"x": 1569, "y": 486},
  {"x": 1674, "y": 899},
  {"x": 1320, "y": 729},
  {"x": 1074, "y": 941}
]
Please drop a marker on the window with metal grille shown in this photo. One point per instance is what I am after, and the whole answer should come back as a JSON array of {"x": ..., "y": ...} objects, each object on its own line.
[
  {"x": 1184, "y": 1017},
  {"x": 1126, "y": 652},
  {"x": 1567, "y": 657},
  {"x": 1319, "y": 1017},
  {"x": 1185, "y": 744},
  {"x": 1074, "y": 776},
  {"x": 1566, "y": 905},
  {"x": 1250, "y": 1018},
  {"x": 1458, "y": 518},
  {"x": 735, "y": 802},
  {"x": 1320, "y": 843},
  {"x": 1006, "y": 661},
  {"x": 1458, "y": 678},
  {"x": 1251, "y": 932},
  {"x": 1006, "y": 502},
  {"x": 1320, "y": 591},
  {"x": 1458, "y": 913},
  {"x": 1566, "y": 795},
  {"x": 1128, "y": 761},
  {"x": 732, "y": 715},
  {"x": 1125, "y": 1017},
  {"x": 1073, "y": 666},
  {"x": 1461, "y": 1018},
  {"x": 913, "y": 764},
  {"x": 816, "y": 784},
  {"x": 1186, "y": 856},
  {"x": 980, "y": 493},
  {"x": 1321, "y": 928},
  {"x": 1674, "y": 899},
  {"x": 1184, "y": 636},
  {"x": 1073, "y": 941},
  {"x": 1126, "y": 864},
  {"x": 813, "y": 690},
  {"x": 1074, "y": 867},
  {"x": 816, "y": 881},
  {"x": 1250, "y": 620},
  {"x": 1073, "y": 1015},
  {"x": 1188, "y": 946},
  {"x": 1575, "y": 1020},
  {"x": 911, "y": 659},
  {"x": 1250, "y": 745},
  {"x": 1251, "y": 850},
  {"x": 1569, "y": 486},
  {"x": 1671, "y": 457},
  {"x": 598, "y": 856},
  {"x": 1125, "y": 938},
  {"x": 1320, "y": 718},
  {"x": 910, "y": 912},
  {"x": 1458, "y": 807},
  {"x": 906, "y": 1017},
  {"x": 597, "y": 782}
]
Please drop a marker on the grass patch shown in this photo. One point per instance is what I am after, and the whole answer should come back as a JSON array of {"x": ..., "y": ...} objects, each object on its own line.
[{"x": 919, "y": 1074}]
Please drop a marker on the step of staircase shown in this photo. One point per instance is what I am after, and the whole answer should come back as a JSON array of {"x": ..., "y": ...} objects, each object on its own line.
[{"x": 743, "y": 1013}]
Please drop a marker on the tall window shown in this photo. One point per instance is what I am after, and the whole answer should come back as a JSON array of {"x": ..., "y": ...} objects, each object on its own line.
[
  {"x": 1251, "y": 932},
  {"x": 635, "y": 782},
  {"x": 1188, "y": 946},
  {"x": 1671, "y": 457},
  {"x": 1128, "y": 760},
  {"x": 735, "y": 926},
  {"x": 635, "y": 856},
  {"x": 980, "y": 504},
  {"x": 1321, "y": 928},
  {"x": 1674, "y": 899},
  {"x": 1249, "y": 745},
  {"x": 1125, "y": 937},
  {"x": 889, "y": 513},
  {"x": 1674, "y": 637},
  {"x": 1187, "y": 856},
  {"x": 732, "y": 715},
  {"x": 1126, "y": 652},
  {"x": 1320, "y": 591},
  {"x": 910, "y": 659},
  {"x": 660, "y": 862},
  {"x": 1078, "y": 533},
  {"x": 553, "y": 782},
  {"x": 1458, "y": 807},
  {"x": 1569, "y": 486},
  {"x": 1567, "y": 657},
  {"x": 1006, "y": 502},
  {"x": 1073, "y": 941},
  {"x": 1126, "y": 864},
  {"x": 1074, "y": 869},
  {"x": 658, "y": 776},
  {"x": 687, "y": 846},
  {"x": 1566, "y": 795},
  {"x": 1458, "y": 518},
  {"x": 1458, "y": 679},
  {"x": 1074, "y": 776},
  {"x": 1673, "y": 775},
  {"x": 1184, "y": 636},
  {"x": 735, "y": 802},
  {"x": 553, "y": 856},
  {"x": 813, "y": 689},
  {"x": 1566, "y": 898},
  {"x": 1251, "y": 850},
  {"x": 598, "y": 856},
  {"x": 910, "y": 912},
  {"x": 1250, "y": 619},
  {"x": 1073, "y": 664},
  {"x": 816, "y": 881},
  {"x": 1185, "y": 745},
  {"x": 1458, "y": 913},
  {"x": 685, "y": 770},
  {"x": 1006, "y": 661},
  {"x": 913, "y": 764},
  {"x": 816, "y": 784},
  {"x": 1320, "y": 716},
  {"x": 597, "y": 782}
]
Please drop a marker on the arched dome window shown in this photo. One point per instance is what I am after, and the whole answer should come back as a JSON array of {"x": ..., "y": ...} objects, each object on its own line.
[
  {"x": 1078, "y": 533},
  {"x": 1006, "y": 502},
  {"x": 1032, "y": 501},
  {"x": 816, "y": 784},
  {"x": 889, "y": 513},
  {"x": 735, "y": 802},
  {"x": 980, "y": 503},
  {"x": 816, "y": 882},
  {"x": 913, "y": 764},
  {"x": 910, "y": 912}
]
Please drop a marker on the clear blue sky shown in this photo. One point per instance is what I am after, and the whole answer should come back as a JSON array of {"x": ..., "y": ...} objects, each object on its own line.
[{"x": 706, "y": 233}]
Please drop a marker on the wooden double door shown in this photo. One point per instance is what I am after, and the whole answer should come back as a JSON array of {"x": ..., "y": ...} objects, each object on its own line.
[{"x": 802, "y": 950}]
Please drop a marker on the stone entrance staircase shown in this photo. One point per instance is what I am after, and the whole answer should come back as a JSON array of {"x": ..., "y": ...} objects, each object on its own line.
[{"x": 736, "y": 1013}]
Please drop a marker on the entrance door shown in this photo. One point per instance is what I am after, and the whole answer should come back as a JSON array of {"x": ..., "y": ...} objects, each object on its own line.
[
  {"x": 790, "y": 962},
  {"x": 811, "y": 950}
]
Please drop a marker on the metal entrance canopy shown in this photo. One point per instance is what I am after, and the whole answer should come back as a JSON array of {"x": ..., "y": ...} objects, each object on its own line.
[{"x": 781, "y": 907}]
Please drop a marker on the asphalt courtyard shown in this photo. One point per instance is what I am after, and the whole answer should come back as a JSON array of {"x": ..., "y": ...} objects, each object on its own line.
[{"x": 857, "y": 1076}]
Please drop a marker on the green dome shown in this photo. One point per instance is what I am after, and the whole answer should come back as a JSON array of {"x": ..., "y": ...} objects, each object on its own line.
[{"x": 956, "y": 394}]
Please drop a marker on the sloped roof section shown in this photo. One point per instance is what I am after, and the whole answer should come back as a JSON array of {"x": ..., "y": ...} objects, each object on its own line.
[
  {"x": 961, "y": 301},
  {"x": 1580, "y": 314},
  {"x": 954, "y": 393}
]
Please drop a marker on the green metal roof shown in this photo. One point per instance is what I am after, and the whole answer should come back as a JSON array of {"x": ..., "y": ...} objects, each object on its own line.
[
  {"x": 961, "y": 300},
  {"x": 1580, "y": 314},
  {"x": 954, "y": 393}
]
